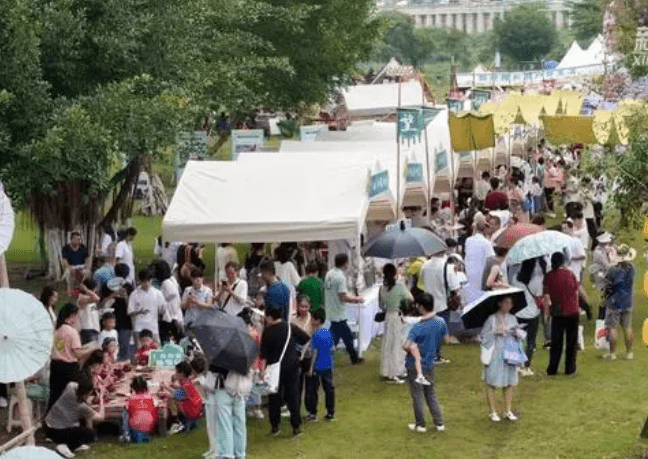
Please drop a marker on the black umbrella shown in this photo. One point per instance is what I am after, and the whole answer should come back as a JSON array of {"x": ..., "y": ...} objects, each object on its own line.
[
  {"x": 475, "y": 314},
  {"x": 402, "y": 242},
  {"x": 225, "y": 340}
]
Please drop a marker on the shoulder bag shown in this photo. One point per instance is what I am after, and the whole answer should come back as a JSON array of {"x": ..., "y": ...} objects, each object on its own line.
[
  {"x": 273, "y": 371},
  {"x": 380, "y": 315}
]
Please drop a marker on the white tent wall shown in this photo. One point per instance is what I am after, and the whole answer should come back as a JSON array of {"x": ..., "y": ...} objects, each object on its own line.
[
  {"x": 220, "y": 201},
  {"x": 361, "y": 131},
  {"x": 381, "y": 99}
]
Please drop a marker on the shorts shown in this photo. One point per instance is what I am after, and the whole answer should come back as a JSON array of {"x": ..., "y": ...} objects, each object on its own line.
[{"x": 614, "y": 317}]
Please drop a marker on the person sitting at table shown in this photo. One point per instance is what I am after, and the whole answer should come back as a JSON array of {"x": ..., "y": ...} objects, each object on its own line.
[
  {"x": 146, "y": 345},
  {"x": 185, "y": 403},
  {"x": 110, "y": 348},
  {"x": 62, "y": 424},
  {"x": 140, "y": 416},
  {"x": 94, "y": 367}
]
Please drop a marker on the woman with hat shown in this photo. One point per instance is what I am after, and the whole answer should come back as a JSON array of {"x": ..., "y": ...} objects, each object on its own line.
[
  {"x": 618, "y": 294},
  {"x": 600, "y": 267}
]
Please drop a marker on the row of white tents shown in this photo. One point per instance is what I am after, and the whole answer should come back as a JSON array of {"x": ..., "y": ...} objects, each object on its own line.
[{"x": 595, "y": 54}]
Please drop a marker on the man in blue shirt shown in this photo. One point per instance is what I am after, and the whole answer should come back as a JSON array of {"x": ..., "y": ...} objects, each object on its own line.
[
  {"x": 426, "y": 337},
  {"x": 618, "y": 295},
  {"x": 321, "y": 370},
  {"x": 277, "y": 294}
]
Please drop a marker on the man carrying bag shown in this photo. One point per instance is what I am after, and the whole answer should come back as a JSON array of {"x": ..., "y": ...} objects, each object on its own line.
[{"x": 279, "y": 352}]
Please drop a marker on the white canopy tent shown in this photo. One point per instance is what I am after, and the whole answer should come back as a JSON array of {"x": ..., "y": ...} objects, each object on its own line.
[
  {"x": 381, "y": 99},
  {"x": 222, "y": 201},
  {"x": 575, "y": 57},
  {"x": 362, "y": 131}
]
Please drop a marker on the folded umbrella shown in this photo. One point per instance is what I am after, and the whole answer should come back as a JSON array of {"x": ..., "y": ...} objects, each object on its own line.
[
  {"x": 511, "y": 234},
  {"x": 402, "y": 242},
  {"x": 475, "y": 314},
  {"x": 225, "y": 340},
  {"x": 540, "y": 244}
]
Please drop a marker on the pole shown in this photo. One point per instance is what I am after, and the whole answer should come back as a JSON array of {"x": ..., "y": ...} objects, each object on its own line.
[
  {"x": 398, "y": 206},
  {"x": 21, "y": 394},
  {"x": 427, "y": 165}
]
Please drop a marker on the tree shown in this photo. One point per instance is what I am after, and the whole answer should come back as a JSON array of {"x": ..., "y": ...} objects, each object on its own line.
[
  {"x": 400, "y": 38},
  {"x": 587, "y": 19},
  {"x": 526, "y": 33}
]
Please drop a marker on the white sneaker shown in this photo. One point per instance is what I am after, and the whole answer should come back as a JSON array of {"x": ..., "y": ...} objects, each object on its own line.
[
  {"x": 494, "y": 417},
  {"x": 395, "y": 380},
  {"x": 629, "y": 356},
  {"x": 415, "y": 428},
  {"x": 176, "y": 428},
  {"x": 510, "y": 416},
  {"x": 285, "y": 413},
  {"x": 210, "y": 453},
  {"x": 257, "y": 413},
  {"x": 82, "y": 448},
  {"x": 609, "y": 356},
  {"x": 420, "y": 379},
  {"x": 3, "y": 402},
  {"x": 64, "y": 451},
  {"x": 440, "y": 428}
]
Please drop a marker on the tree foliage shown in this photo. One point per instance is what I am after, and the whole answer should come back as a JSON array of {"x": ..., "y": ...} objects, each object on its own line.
[
  {"x": 400, "y": 38},
  {"x": 587, "y": 19},
  {"x": 526, "y": 33}
]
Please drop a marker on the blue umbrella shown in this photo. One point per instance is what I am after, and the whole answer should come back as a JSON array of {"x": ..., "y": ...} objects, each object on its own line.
[{"x": 402, "y": 242}]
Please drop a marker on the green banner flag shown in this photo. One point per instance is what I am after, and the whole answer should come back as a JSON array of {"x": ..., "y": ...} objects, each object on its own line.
[
  {"x": 413, "y": 121},
  {"x": 441, "y": 160}
]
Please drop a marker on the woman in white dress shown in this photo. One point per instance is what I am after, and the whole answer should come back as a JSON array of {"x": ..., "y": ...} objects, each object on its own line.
[{"x": 391, "y": 296}]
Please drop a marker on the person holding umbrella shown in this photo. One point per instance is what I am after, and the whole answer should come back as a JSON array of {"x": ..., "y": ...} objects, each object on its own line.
[
  {"x": 498, "y": 373},
  {"x": 561, "y": 295}
]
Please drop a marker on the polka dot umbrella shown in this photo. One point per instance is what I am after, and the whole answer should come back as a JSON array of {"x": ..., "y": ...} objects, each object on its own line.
[{"x": 26, "y": 335}]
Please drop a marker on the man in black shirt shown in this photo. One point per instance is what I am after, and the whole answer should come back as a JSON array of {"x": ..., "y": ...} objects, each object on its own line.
[{"x": 273, "y": 341}]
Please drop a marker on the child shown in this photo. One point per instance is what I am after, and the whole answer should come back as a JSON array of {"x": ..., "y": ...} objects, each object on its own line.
[
  {"x": 108, "y": 323},
  {"x": 321, "y": 370},
  {"x": 252, "y": 318},
  {"x": 109, "y": 346},
  {"x": 140, "y": 416},
  {"x": 205, "y": 387},
  {"x": 186, "y": 403},
  {"x": 147, "y": 344}
]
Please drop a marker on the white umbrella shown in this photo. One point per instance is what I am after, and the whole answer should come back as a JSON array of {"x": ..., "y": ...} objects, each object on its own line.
[
  {"x": 6, "y": 221},
  {"x": 26, "y": 335},
  {"x": 31, "y": 452}
]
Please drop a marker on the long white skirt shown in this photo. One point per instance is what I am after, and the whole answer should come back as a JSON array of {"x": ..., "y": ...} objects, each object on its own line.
[{"x": 392, "y": 357}]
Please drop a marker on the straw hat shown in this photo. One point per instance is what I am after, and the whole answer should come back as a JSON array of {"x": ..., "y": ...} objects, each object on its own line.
[
  {"x": 604, "y": 238},
  {"x": 623, "y": 253}
]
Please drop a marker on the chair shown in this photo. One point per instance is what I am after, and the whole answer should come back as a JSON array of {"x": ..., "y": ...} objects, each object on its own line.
[
  {"x": 38, "y": 393},
  {"x": 13, "y": 405}
]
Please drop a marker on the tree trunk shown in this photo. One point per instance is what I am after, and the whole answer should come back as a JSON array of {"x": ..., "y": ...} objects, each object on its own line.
[
  {"x": 125, "y": 192},
  {"x": 55, "y": 239}
]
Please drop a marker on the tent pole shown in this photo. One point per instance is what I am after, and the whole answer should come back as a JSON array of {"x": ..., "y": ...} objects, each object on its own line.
[
  {"x": 398, "y": 206},
  {"x": 21, "y": 394},
  {"x": 427, "y": 165}
]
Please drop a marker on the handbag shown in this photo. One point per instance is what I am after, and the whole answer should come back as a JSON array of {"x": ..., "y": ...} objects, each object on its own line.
[
  {"x": 273, "y": 371},
  {"x": 487, "y": 354},
  {"x": 513, "y": 353}
]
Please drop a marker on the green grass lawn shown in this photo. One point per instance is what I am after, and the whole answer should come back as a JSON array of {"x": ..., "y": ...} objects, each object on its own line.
[{"x": 596, "y": 414}]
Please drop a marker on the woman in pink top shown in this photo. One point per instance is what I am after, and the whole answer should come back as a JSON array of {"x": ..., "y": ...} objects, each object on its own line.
[
  {"x": 68, "y": 353},
  {"x": 552, "y": 181}
]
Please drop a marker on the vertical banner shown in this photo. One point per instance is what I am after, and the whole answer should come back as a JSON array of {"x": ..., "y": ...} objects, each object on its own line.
[
  {"x": 245, "y": 140},
  {"x": 479, "y": 97},
  {"x": 379, "y": 183},
  {"x": 414, "y": 173},
  {"x": 440, "y": 160},
  {"x": 310, "y": 133},
  {"x": 190, "y": 146}
]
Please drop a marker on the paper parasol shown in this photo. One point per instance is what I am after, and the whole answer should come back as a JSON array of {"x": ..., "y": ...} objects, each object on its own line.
[
  {"x": 26, "y": 335},
  {"x": 31, "y": 452}
]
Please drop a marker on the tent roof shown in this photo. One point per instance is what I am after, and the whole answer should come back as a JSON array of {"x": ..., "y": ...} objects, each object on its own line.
[
  {"x": 575, "y": 57},
  {"x": 373, "y": 131},
  {"x": 381, "y": 99},
  {"x": 222, "y": 201}
]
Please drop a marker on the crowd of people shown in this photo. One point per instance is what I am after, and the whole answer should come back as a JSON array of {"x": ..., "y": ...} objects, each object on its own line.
[{"x": 295, "y": 308}]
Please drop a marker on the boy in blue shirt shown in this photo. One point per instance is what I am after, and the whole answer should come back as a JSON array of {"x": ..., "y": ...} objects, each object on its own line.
[
  {"x": 424, "y": 339},
  {"x": 321, "y": 370}
]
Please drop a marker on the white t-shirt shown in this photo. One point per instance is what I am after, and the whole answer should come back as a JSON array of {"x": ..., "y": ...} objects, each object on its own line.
[
  {"x": 478, "y": 249},
  {"x": 223, "y": 256},
  {"x": 124, "y": 252},
  {"x": 106, "y": 240},
  {"x": 583, "y": 236},
  {"x": 171, "y": 291},
  {"x": 152, "y": 301},
  {"x": 90, "y": 317},
  {"x": 432, "y": 273},
  {"x": 482, "y": 188},
  {"x": 108, "y": 334},
  {"x": 287, "y": 273},
  {"x": 234, "y": 306},
  {"x": 168, "y": 254},
  {"x": 576, "y": 251}
]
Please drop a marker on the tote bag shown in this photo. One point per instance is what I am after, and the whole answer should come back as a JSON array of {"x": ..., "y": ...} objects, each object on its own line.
[
  {"x": 513, "y": 353},
  {"x": 273, "y": 371},
  {"x": 487, "y": 354}
]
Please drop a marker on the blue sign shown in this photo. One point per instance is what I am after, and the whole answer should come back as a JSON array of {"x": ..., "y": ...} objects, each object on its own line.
[
  {"x": 441, "y": 161},
  {"x": 379, "y": 183},
  {"x": 414, "y": 173}
]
